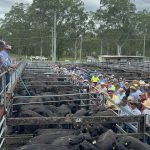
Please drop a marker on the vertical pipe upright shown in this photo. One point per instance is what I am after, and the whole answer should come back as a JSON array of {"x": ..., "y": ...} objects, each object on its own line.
[
  {"x": 55, "y": 23},
  {"x": 75, "y": 57},
  {"x": 41, "y": 49},
  {"x": 52, "y": 53},
  {"x": 81, "y": 48},
  {"x": 144, "y": 46},
  {"x": 101, "y": 47}
]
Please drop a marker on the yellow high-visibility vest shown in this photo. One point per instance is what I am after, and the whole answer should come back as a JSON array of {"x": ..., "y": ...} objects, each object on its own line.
[{"x": 95, "y": 79}]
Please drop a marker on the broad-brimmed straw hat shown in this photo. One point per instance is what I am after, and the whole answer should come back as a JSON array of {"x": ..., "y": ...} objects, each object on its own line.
[
  {"x": 133, "y": 87},
  {"x": 132, "y": 100},
  {"x": 147, "y": 103}
]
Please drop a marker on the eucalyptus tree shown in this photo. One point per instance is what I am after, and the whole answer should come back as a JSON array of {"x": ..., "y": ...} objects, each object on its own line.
[
  {"x": 142, "y": 30},
  {"x": 115, "y": 21},
  {"x": 15, "y": 27},
  {"x": 71, "y": 21}
]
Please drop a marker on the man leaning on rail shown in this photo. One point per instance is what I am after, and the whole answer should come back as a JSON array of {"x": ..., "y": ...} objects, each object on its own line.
[
  {"x": 5, "y": 60},
  {"x": 2, "y": 44}
]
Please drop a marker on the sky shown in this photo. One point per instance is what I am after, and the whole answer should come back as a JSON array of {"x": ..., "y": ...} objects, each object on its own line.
[{"x": 91, "y": 5}]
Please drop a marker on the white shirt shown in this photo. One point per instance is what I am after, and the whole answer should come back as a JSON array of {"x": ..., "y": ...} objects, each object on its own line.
[
  {"x": 135, "y": 111},
  {"x": 123, "y": 113}
]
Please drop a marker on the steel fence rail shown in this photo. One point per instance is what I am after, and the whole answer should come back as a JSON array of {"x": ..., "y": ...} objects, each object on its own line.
[{"x": 4, "y": 102}]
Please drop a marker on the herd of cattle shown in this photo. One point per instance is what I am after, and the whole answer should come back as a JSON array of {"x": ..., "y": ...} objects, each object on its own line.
[
  {"x": 92, "y": 138},
  {"x": 66, "y": 137}
]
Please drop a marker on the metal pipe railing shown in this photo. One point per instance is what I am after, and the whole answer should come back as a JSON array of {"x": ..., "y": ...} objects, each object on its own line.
[{"x": 3, "y": 101}]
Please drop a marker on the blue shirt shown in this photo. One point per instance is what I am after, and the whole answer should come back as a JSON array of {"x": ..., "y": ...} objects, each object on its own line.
[
  {"x": 134, "y": 95},
  {"x": 6, "y": 61}
]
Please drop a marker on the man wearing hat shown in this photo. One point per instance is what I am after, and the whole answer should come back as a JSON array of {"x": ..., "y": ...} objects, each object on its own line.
[
  {"x": 103, "y": 88},
  {"x": 146, "y": 111},
  {"x": 2, "y": 65},
  {"x": 95, "y": 79},
  {"x": 86, "y": 86},
  {"x": 133, "y": 92},
  {"x": 133, "y": 103},
  {"x": 124, "y": 104},
  {"x": 121, "y": 94},
  {"x": 114, "y": 98},
  {"x": 6, "y": 62}
]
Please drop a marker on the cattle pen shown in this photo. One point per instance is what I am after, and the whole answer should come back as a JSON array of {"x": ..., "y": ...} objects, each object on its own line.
[{"x": 37, "y": 84}]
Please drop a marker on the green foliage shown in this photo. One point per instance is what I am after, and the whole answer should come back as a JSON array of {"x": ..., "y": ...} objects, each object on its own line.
[
  {"x": 115, "y": 19},
  {"x": 115, "y": 27}
]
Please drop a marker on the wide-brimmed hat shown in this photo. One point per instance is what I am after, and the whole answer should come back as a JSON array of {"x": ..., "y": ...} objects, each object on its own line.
[
  {"x": 110, "y": 90},
  {"x": 8, "y": 47},
  {"x": 136, "y": 86},
  {"x": 147, "y": 85},
  {"x": 86, "y": 80},
  {"x": 141, "y": 82},
  {"x": 102, "y": 83},
  {"x": 133, "y": 87},
  {"x": 147, "y": 103},
  {"x": 132, "y": 100}
]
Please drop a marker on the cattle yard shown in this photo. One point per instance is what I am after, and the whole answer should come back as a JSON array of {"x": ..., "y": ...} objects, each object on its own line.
[{"x": 43, "y": 102}]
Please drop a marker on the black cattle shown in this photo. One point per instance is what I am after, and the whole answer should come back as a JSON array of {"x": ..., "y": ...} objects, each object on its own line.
[
  {"x": 38, "y": 108},
  {"x": 29, "y": 113},
  {"x": 98, "y": 109},
  {"x": 68, "y": 141},
  {"x": 107, "y": 113},
  {"x": 49, "y": 137},
  {"x": 63, "y": 110},
  {"x": 52, "y": 108},
  {"x": 97, "y": 130},
  {"x": 87, "y": 137},
  {"x": 46, "y": 98},
  {"x": 133, "y": 143},
  {"x": 62, "y": 141},
  {"x": 94, "y": 131},
  {"x": 73, "y": 107},
  {"x": 74, "y": 140},
  {"x": 44, "y": 112},
  {"x": 53, "y": 131},
  {"x": 45, "y": 138},
  {"x": 106, "y": 141},
  {"x": 43, "y": 147},
  {"x": 82, "y": 112},
  {"x": 26, "y": 129},
  {"x": 27, "y": 100},
  {"x": 119, "y": 146},
  {"x": 85, "y": 145}
]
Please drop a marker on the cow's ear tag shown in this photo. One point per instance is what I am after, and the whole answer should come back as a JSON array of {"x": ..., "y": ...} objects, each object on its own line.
[
  {"x": 94, "y": 142},
  {"x": 126, "y": 143},
  {"x": 78, "y": 120}
]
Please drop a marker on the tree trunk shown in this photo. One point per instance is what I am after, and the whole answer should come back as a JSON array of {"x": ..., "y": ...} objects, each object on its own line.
[
  {"x": 119, "y": 47},
  {"x": 75, "y": 56}
]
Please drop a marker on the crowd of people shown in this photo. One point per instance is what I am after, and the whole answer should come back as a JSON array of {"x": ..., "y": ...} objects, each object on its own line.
[{"x": 126, "y": 98}]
